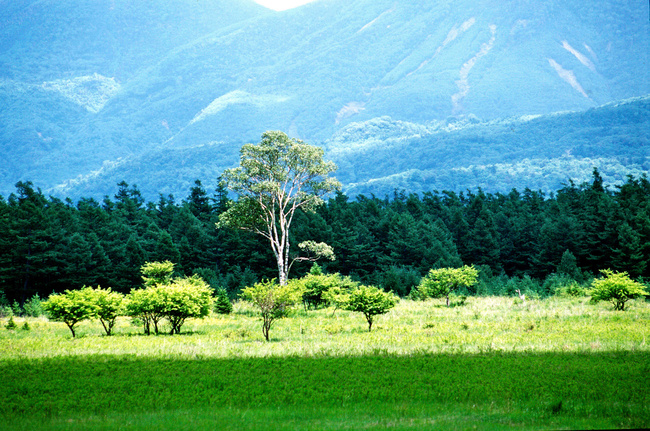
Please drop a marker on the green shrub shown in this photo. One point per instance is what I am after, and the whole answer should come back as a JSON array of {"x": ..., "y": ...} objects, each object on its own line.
[
  {"x": 442, "y": 282},
  {"x": 371, "y": 301},
  {"x": 33, "y": 307},
  {"x": 184, "y": 298},
  {"x": 154, "y": 273},
  {"x": 11, "y": 325},
  {"x": 145, "y": 307},
  {"x": 70, "y": 307},
  {"x": 572, "y": 289},
  {"x": 16, "y": 309},
  {"x": 176, "y": 301},
  {"x": 338, "y": 295},
  {"x": 26, "y": 326},
  {"x": 321, "y": 290},
  {"x": 315, "y": 285},
  {"x": 108, "y": 305},
  {"x": 615, "y": 287}
]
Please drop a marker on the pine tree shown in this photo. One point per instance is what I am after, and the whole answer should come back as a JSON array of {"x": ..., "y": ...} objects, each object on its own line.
[
  {"x": 222, "y": 303},
  {"x": 198, "y": 202},
  {"x": 165, "y": 249},
  {"x": 78, "y": 263},
  {"x": 568, "y": 266},
  {"x": 482, "y": 243},
  {"x": 628, "y": 255}
]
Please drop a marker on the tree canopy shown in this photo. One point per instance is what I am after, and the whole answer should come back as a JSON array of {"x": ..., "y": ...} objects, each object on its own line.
[
  {"x": 443, "y": 281},
  {"x": 617, "y": 288},
  {"x": 276, "y": 177},
  {"x": 274, "y": 301},
  {"x": 50, "y": 245}
]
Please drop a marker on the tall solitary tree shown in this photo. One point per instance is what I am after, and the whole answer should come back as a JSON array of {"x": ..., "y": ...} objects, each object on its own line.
[{"x": 275, "y": 178}]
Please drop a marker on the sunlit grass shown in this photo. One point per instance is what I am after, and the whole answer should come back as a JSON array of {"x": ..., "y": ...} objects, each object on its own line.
[
  {"x": 490, "y": 364},
  {"x": 482, "y": 325}
]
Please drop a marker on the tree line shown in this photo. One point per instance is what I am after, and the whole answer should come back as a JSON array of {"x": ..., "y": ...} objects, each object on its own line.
[{"x": 518, "y": 240}]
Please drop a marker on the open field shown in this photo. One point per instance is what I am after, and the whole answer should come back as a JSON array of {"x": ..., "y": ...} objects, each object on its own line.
[{"x": 557, "y": 363}]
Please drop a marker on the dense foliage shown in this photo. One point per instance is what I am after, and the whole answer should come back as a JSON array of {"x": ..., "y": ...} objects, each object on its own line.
[
  {"x": 617, "y": 288},
  {"x": 520, "y": 240},
  {"x": 444, "y": 281},
  {"x": 71, "y": 307},
  {"x": 175, "y": 299},
  {"x": 273, "y": 300},
  {"x": 370, "y": 301}
]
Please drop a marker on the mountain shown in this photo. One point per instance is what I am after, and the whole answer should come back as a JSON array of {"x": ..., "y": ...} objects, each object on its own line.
[
  {"x": 97, "y": 88},
  {"x": 543, "y": 152},
  {"x": 381, "y": 155}
]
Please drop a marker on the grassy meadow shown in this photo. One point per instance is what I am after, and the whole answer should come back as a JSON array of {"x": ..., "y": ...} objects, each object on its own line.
[{"x": 558, "y": 363}]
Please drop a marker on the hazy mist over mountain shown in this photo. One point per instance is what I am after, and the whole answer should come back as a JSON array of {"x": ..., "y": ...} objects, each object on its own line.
[{"x": 411, "y": 95}]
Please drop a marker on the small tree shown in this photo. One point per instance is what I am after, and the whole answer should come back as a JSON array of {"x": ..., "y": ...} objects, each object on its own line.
[
  {"x": 315, "y": 284},
  {"x": 338, "y": 293},
  {"x": 145, "y": 305},
  {"x": 569, "y": 266},
  {"x": 273, "y": 300},
  {"x": 222, "y": 304},
  {"x": 184, "y": 298},
  {"x": 11, "y": 325},
  {"x": 370, "y": 301},
  {"x": 108, "y": 306},
  {"x": 617, "y": 288},
  {"x": 5, "y": 309},
  {"x": 16, "y": 309},
  {"x": 71, "y": 307},
  {"x": 441, "y": 282},
  {"x": 33, "y": 306}
]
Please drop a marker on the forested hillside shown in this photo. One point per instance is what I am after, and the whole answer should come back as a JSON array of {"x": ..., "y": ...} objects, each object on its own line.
[
  {"x": 380, "y": 155},
  {"x": 539, "y": 152},
  {"x": 518, "y": 240},
  {"x": 87, "y": 87}
]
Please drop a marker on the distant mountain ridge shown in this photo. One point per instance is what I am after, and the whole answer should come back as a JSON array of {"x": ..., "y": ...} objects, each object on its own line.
[
  {"x": 382, "y": 155},
  {"x": 91, "y": 86},
  {"x": 542, "y": 152}
]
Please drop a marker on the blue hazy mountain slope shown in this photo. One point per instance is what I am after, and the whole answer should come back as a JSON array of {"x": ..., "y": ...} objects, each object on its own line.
[
  {"x": 63, "y": 61},
  {"x": 539, "y": 152},
  {"x": 380, "y": 155},
  {"x": 84, "y": 86},
  {"x": 54, "y": 39}
]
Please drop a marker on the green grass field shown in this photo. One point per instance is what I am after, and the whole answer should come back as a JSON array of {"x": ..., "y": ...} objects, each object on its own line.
[{"x": 491, "y": 364}]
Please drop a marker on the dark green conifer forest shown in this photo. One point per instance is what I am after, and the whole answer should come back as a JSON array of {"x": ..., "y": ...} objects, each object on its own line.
[{"x": 519, "y": 240}]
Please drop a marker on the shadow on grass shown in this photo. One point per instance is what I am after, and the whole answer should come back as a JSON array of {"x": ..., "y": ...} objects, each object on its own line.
[{"x": 605, "y": 385}]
